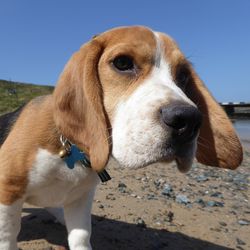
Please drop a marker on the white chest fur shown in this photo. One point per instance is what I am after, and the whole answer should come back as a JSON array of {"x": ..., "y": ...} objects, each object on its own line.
[{"x": 52, "y": 183}]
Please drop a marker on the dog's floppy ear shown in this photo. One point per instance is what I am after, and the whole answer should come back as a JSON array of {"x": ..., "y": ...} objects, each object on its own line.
[
  {"x": 218, "y": 144},
  {"x": 78, "y": 105}
]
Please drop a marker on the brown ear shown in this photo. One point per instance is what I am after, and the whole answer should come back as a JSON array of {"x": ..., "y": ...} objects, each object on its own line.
[
  {"x": 78, "y": 105},
  {"x": 218, "y": 144}
]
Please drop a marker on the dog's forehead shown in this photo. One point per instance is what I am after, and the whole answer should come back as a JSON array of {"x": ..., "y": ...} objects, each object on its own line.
[
  {"x": 140, "y": 35},
  {"x": 169, "y": 47},
  {"x": 128, "y": 35}
]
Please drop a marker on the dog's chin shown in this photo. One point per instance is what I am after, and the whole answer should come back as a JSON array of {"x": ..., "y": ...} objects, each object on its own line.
[
  {"x": 182, "y": 155},
  {"x": 183, "y": 164}
]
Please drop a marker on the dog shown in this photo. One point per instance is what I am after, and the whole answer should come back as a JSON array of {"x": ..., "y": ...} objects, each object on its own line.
[{"x": 129, "y": 93}]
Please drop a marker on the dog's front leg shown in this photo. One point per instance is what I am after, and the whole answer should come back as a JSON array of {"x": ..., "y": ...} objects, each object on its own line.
[
  {"x": 10, "y": 223},
  {"x": 78, "y": 221}
]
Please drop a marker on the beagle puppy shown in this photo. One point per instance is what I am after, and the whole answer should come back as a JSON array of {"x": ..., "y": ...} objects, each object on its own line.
[{"x": 130, "y": 94}]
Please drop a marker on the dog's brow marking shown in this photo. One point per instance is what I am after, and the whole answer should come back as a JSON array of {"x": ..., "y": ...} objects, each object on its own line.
[
  {"x": 158, "y": 53},
  {"x": 162, "y": 71}
]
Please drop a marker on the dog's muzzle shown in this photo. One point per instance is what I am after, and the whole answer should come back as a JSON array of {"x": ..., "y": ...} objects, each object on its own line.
[{"x": 183, "y": 121}]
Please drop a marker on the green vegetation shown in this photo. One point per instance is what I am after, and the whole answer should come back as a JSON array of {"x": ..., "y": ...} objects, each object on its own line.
[{"x": 14, "y": 94}]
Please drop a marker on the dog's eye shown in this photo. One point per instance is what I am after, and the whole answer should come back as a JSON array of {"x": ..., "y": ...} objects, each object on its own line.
[
  {"x": 123, "y": 63},
  {"x": 183, "y": 77}
]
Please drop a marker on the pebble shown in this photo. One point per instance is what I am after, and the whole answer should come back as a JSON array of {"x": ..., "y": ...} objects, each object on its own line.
[
  {"x": 167, "y": 190},
  {"x": 216, "y": 229},
  {"x": 182, "y": 199},
  {"x": 240, "y": 242},
  {"x": 243, "y": 222},
  {"x": 227, "y": 179},
  {"x": 159, "y": 182},
  {"x": 110, "y": 197},
  {"x": 240, "y": 248},
  {"x": 170, "y": 216},
  {"x": 240, "y": 179},
  {"x": 158, "y": 223},
  {"x": 140, "y": 222},
  {"x": 145, "y": 179},
  {"x": 122, "y": 187},
  {"x": 201, "y": 178},
  {"x": 222, "y": 223},
  {"x": 217, "y": 194},
  {"x": 151, "y": 197},
  {"x": 214, "y": 204},
  {"x": 201, "y": 202}
]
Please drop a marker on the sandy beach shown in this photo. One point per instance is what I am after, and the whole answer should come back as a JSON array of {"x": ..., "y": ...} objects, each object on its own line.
[{"x": 157, "y": 208}]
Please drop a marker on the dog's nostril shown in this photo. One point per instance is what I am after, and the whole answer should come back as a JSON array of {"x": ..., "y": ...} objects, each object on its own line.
[
  {"x": 178, "y": 123},
  {"x": 185, "y": 121}
]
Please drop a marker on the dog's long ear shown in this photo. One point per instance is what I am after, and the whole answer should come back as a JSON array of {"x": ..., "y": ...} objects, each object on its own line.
[
  {"x": 78, "y": 105},
  {"x": 218, "y": 144}
]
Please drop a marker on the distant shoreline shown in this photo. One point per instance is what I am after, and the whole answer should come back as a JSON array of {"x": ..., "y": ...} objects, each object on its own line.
[
  {"x": 246, "y": 145},
  {"x": 242, "y": 127}
]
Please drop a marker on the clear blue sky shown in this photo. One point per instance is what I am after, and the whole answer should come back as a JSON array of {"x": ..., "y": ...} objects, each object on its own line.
[{"x": 38, "y": 37}]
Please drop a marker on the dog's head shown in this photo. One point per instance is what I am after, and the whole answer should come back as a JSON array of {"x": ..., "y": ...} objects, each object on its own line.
[{"x": 132, "y": 92}]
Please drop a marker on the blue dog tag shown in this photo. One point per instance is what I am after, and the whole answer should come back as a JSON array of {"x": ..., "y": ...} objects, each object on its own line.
[{"x": 74, "y": 155}]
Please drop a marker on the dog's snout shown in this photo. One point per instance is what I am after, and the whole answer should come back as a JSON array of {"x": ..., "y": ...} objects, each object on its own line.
[{"x": 184, "y": 120}]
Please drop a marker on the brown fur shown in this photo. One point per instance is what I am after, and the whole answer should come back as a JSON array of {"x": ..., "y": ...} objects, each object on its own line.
[
  {"x": 78, "y": 105},
  {"x": 34, "y": 129},
  {"x": 218, "y": 144},
  {"x": 120, "y": 86}
]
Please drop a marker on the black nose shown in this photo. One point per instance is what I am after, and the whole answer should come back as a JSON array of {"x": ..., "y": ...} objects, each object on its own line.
[{"x": 185, "y": 121}]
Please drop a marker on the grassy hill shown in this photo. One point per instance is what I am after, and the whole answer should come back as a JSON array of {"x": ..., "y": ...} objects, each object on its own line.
[{"x": 14, "y": 94}]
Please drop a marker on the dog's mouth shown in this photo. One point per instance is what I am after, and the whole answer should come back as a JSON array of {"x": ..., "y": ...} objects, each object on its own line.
[
  {"x": 183, "y": 164},
  {"x": 184, "y": 155}
]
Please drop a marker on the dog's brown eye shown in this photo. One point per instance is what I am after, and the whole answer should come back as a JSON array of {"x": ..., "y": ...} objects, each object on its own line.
[
  {"x": 183, "y": 77},
  {"x": 123, "y": 63}
]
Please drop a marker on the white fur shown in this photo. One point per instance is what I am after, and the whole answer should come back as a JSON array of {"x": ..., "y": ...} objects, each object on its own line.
[
  {"x": 10, "y": 221},
  {"x": 78, "y": 221},
  {"x": 138, "y": 137},
  {"x": 52, "y": 183}
]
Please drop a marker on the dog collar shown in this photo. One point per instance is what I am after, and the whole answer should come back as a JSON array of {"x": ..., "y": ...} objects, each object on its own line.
[{"x": 71, "y": 154}]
